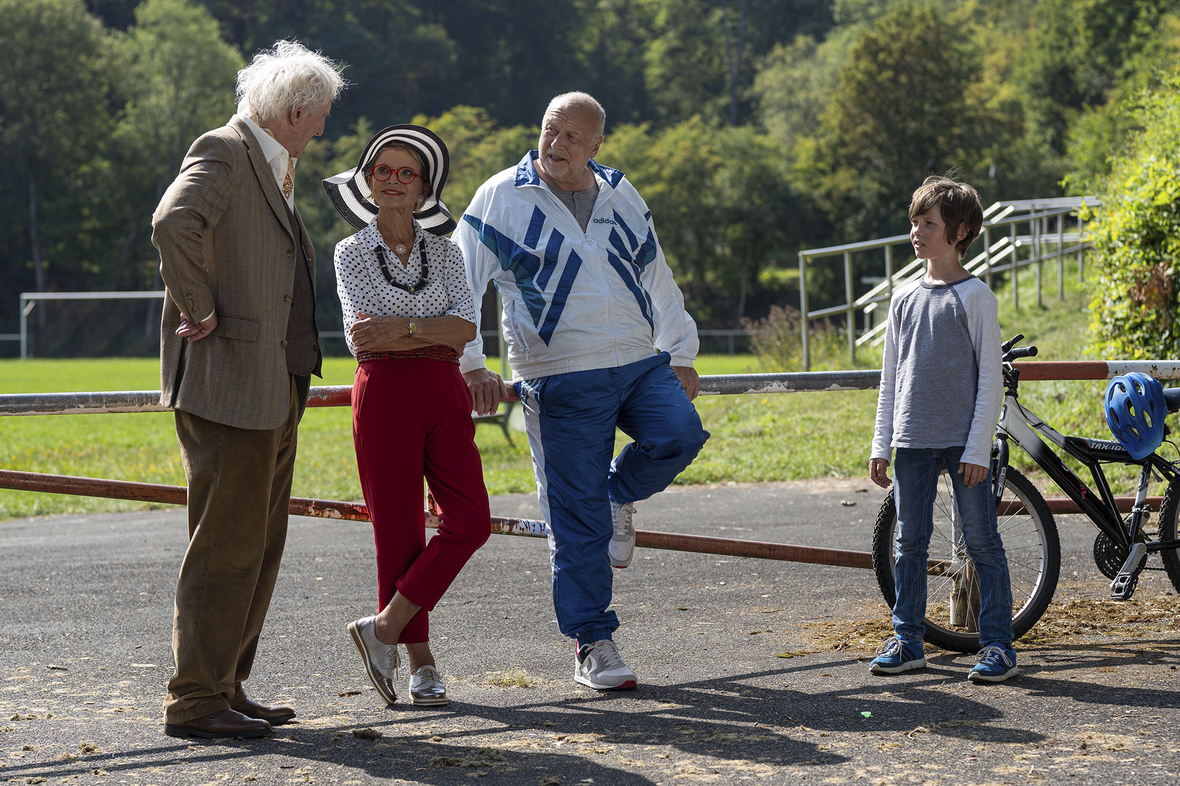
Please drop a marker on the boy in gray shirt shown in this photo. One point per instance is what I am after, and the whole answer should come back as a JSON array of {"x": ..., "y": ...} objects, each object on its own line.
[{"x": 941, "y": 389}]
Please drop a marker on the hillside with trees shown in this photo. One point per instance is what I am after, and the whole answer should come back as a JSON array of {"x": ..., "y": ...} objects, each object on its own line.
[{"x": 753, "y": 128}]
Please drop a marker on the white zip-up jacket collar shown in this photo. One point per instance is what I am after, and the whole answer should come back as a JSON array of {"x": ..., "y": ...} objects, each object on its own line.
[{"x": 573, "y": 300}]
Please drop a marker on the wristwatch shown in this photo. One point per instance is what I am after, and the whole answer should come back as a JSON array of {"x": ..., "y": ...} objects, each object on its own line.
[{"x": 413, "y": 328}]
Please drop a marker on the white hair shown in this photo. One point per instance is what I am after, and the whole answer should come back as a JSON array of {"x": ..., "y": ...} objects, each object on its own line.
[
  {"x": 581, "y": 101},
  {"x": 289, "y": 76}
]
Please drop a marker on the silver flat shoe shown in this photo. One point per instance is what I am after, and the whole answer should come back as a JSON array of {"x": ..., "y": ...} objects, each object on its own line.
[
  {"x": 381, "y": 660},
  {"x": 426, "y": 687}
]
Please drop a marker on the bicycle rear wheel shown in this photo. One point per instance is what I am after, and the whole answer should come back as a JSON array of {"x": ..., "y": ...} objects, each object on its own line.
[
  {"x": 952, "y": 604},
  {"x": 1169, "y": 509}
]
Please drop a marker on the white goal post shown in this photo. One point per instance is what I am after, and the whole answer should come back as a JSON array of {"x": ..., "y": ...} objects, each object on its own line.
[{"x": 29, "y": 300}]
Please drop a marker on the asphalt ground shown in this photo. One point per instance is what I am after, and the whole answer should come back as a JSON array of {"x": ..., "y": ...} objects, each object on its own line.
[{"x": 750, "y": 671}]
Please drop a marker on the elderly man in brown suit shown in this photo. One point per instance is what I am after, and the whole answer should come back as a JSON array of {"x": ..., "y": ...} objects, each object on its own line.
[{"x": 238, "y": 346}]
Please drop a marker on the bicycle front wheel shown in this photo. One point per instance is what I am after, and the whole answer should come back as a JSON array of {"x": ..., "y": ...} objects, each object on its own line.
[{"x": 1030, "y": 540}]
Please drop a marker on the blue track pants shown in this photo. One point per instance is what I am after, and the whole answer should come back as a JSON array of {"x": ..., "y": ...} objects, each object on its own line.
[{"x": 571, "y": 421}]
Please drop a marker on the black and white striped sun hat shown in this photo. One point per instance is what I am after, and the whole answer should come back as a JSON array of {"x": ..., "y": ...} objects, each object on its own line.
[{"x": 350, "y": 193}]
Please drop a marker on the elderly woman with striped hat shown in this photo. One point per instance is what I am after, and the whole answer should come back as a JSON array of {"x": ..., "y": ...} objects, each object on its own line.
[{"x": 408, "y": 312}]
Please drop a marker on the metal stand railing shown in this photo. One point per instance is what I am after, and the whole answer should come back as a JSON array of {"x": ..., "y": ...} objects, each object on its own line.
[{"x": 1045, "y": 221}]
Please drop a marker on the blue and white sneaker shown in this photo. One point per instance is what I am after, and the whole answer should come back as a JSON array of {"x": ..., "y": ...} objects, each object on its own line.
[
  {"x": 622, "y": 540},
  {"x": 897, "y": 655},
  {"x": 995, "y": 663},
  {"x": 599, "y": 666}
]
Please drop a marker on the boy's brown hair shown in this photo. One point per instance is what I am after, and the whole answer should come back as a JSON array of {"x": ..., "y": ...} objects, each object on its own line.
[{"x": 958, "y": 203}]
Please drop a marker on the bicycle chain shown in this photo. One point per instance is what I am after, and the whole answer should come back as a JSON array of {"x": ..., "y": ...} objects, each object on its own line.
[{"x": 1109, "y": 558}]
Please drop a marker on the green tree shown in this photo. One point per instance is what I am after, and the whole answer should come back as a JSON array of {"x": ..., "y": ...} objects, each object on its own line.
[
  {"x": 1135, "y": 275},
  {"x": 762, "y": 217},
  {"x": 684, "y": 60},
  {"x": 115, "y": 14},
  {"x": 1100, "y": 133},
  {"x": 54, "y": 117},
  {"x": 178, "y": 82},
  {"x": 722, "y": 206},
  {"x": 400, "y": 59},
  {"x": 907, "y": 105},
  {"x": 795, "y": 81},
  {"x": 1078, "y": 51},
  {"x": 509, "y": 56}
]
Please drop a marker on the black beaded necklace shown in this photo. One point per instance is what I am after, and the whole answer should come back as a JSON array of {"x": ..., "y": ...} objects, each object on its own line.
[{"x": 384, "y": 265}]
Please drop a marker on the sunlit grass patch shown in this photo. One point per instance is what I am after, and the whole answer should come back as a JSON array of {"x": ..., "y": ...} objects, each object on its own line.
[
  {"x": 776, "y": 436},
  {"x": 513, "y": 678}
]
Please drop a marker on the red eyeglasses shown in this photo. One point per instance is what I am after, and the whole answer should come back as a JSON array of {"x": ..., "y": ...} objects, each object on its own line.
[{"x": 405, "y": 175}]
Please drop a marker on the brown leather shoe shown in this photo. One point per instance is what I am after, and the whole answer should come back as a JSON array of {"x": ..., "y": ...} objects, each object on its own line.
[
  {"x": 217, "y": 725},
  {"x": 274, "y": 714}
]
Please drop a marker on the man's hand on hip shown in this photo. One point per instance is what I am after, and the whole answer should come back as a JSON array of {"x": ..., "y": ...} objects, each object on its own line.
[
  {"x": 195, "y": 331},
  {"x": 487, "y": 390},
  {"x": 689, "y": 380}
]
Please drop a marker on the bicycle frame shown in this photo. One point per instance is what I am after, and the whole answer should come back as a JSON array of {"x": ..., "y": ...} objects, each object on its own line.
[{"x": 1027, "y": 429}]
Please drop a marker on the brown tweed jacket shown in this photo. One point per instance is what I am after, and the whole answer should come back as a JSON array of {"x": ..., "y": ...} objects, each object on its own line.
[{"x": 226, "y": 245}]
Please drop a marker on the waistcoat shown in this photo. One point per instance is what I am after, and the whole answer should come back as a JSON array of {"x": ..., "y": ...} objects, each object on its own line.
[{"x": 302, "y": 342}]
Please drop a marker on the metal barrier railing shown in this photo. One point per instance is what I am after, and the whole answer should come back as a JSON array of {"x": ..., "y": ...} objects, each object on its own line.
[
  {"x": 335, "y": 396},
  {"x": 1046, "y": 221},
  {"x": 340, "y": 395}
]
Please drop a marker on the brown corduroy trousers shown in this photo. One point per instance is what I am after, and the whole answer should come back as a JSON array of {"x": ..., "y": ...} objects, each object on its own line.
[{"x": 239, "y": 491}]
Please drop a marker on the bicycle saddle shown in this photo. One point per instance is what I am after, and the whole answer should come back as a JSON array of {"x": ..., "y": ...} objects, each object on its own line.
[{"x": 1172, "y": 399}]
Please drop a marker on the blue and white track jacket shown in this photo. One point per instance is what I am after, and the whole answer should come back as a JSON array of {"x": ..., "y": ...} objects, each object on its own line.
[{"x": 573, "y": 300}]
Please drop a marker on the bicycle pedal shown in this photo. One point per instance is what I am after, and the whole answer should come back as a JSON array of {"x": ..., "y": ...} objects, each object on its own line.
[{"x": 1123, "y": 586}]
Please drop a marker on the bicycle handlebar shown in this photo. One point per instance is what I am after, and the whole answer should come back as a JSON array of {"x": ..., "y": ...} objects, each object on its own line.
[{"x": 1011, "y": 352}]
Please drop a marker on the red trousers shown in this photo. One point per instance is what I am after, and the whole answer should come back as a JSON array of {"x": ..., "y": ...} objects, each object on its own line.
[{"x": 411, "y": 418}]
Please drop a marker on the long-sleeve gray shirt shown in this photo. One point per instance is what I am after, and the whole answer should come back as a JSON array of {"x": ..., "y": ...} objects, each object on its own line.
[{"x": 941, "y": 377}]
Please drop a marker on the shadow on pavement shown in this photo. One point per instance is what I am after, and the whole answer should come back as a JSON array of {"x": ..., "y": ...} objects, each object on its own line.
[{"x": 727, "y": 719}]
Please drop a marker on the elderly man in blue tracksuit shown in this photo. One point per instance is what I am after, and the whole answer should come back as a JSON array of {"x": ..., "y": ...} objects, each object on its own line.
[{"x": 598, "y": 338}]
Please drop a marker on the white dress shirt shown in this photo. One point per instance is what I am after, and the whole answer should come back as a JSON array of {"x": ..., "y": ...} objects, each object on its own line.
[{"x": 276, "y": 155}]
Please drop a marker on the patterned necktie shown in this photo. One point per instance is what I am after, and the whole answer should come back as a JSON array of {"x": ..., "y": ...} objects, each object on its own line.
[
  {"x": 288, "y": 187},
  {"x": 289, "y": 180}
]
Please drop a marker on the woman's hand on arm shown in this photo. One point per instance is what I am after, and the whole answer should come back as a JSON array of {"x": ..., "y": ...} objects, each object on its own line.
[
  {"x": 453, "y": 331},
  {"x": 375, "y": 333},
  {"x": 371, "y": 333},
  {"x": 449, "y": 331}
]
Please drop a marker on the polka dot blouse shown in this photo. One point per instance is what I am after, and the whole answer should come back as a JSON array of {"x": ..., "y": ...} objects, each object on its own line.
[{"x": 362, "y": 287}]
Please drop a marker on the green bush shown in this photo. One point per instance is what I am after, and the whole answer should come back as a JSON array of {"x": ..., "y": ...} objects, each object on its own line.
[
  {"x": 778, "y": 344},
  {"x": 1135, "y": 310}
]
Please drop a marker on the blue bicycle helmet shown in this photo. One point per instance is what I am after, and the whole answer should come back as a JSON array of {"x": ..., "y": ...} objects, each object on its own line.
[{"x": 1135, "y": 411}]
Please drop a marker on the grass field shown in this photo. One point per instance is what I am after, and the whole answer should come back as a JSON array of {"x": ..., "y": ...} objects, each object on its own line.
[{"x": 754, "y": 438}]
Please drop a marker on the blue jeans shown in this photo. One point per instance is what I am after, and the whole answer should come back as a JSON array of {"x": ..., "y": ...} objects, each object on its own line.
[
  {"x": 916, "y": 472},
  {"x": 571, "y": 420}
]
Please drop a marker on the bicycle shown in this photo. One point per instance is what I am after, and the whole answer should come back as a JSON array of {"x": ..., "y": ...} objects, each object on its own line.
[{"x": 1027, "y": 527}]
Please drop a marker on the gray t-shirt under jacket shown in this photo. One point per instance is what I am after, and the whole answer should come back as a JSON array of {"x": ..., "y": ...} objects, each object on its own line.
[{"x": 580, "y": 203}]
